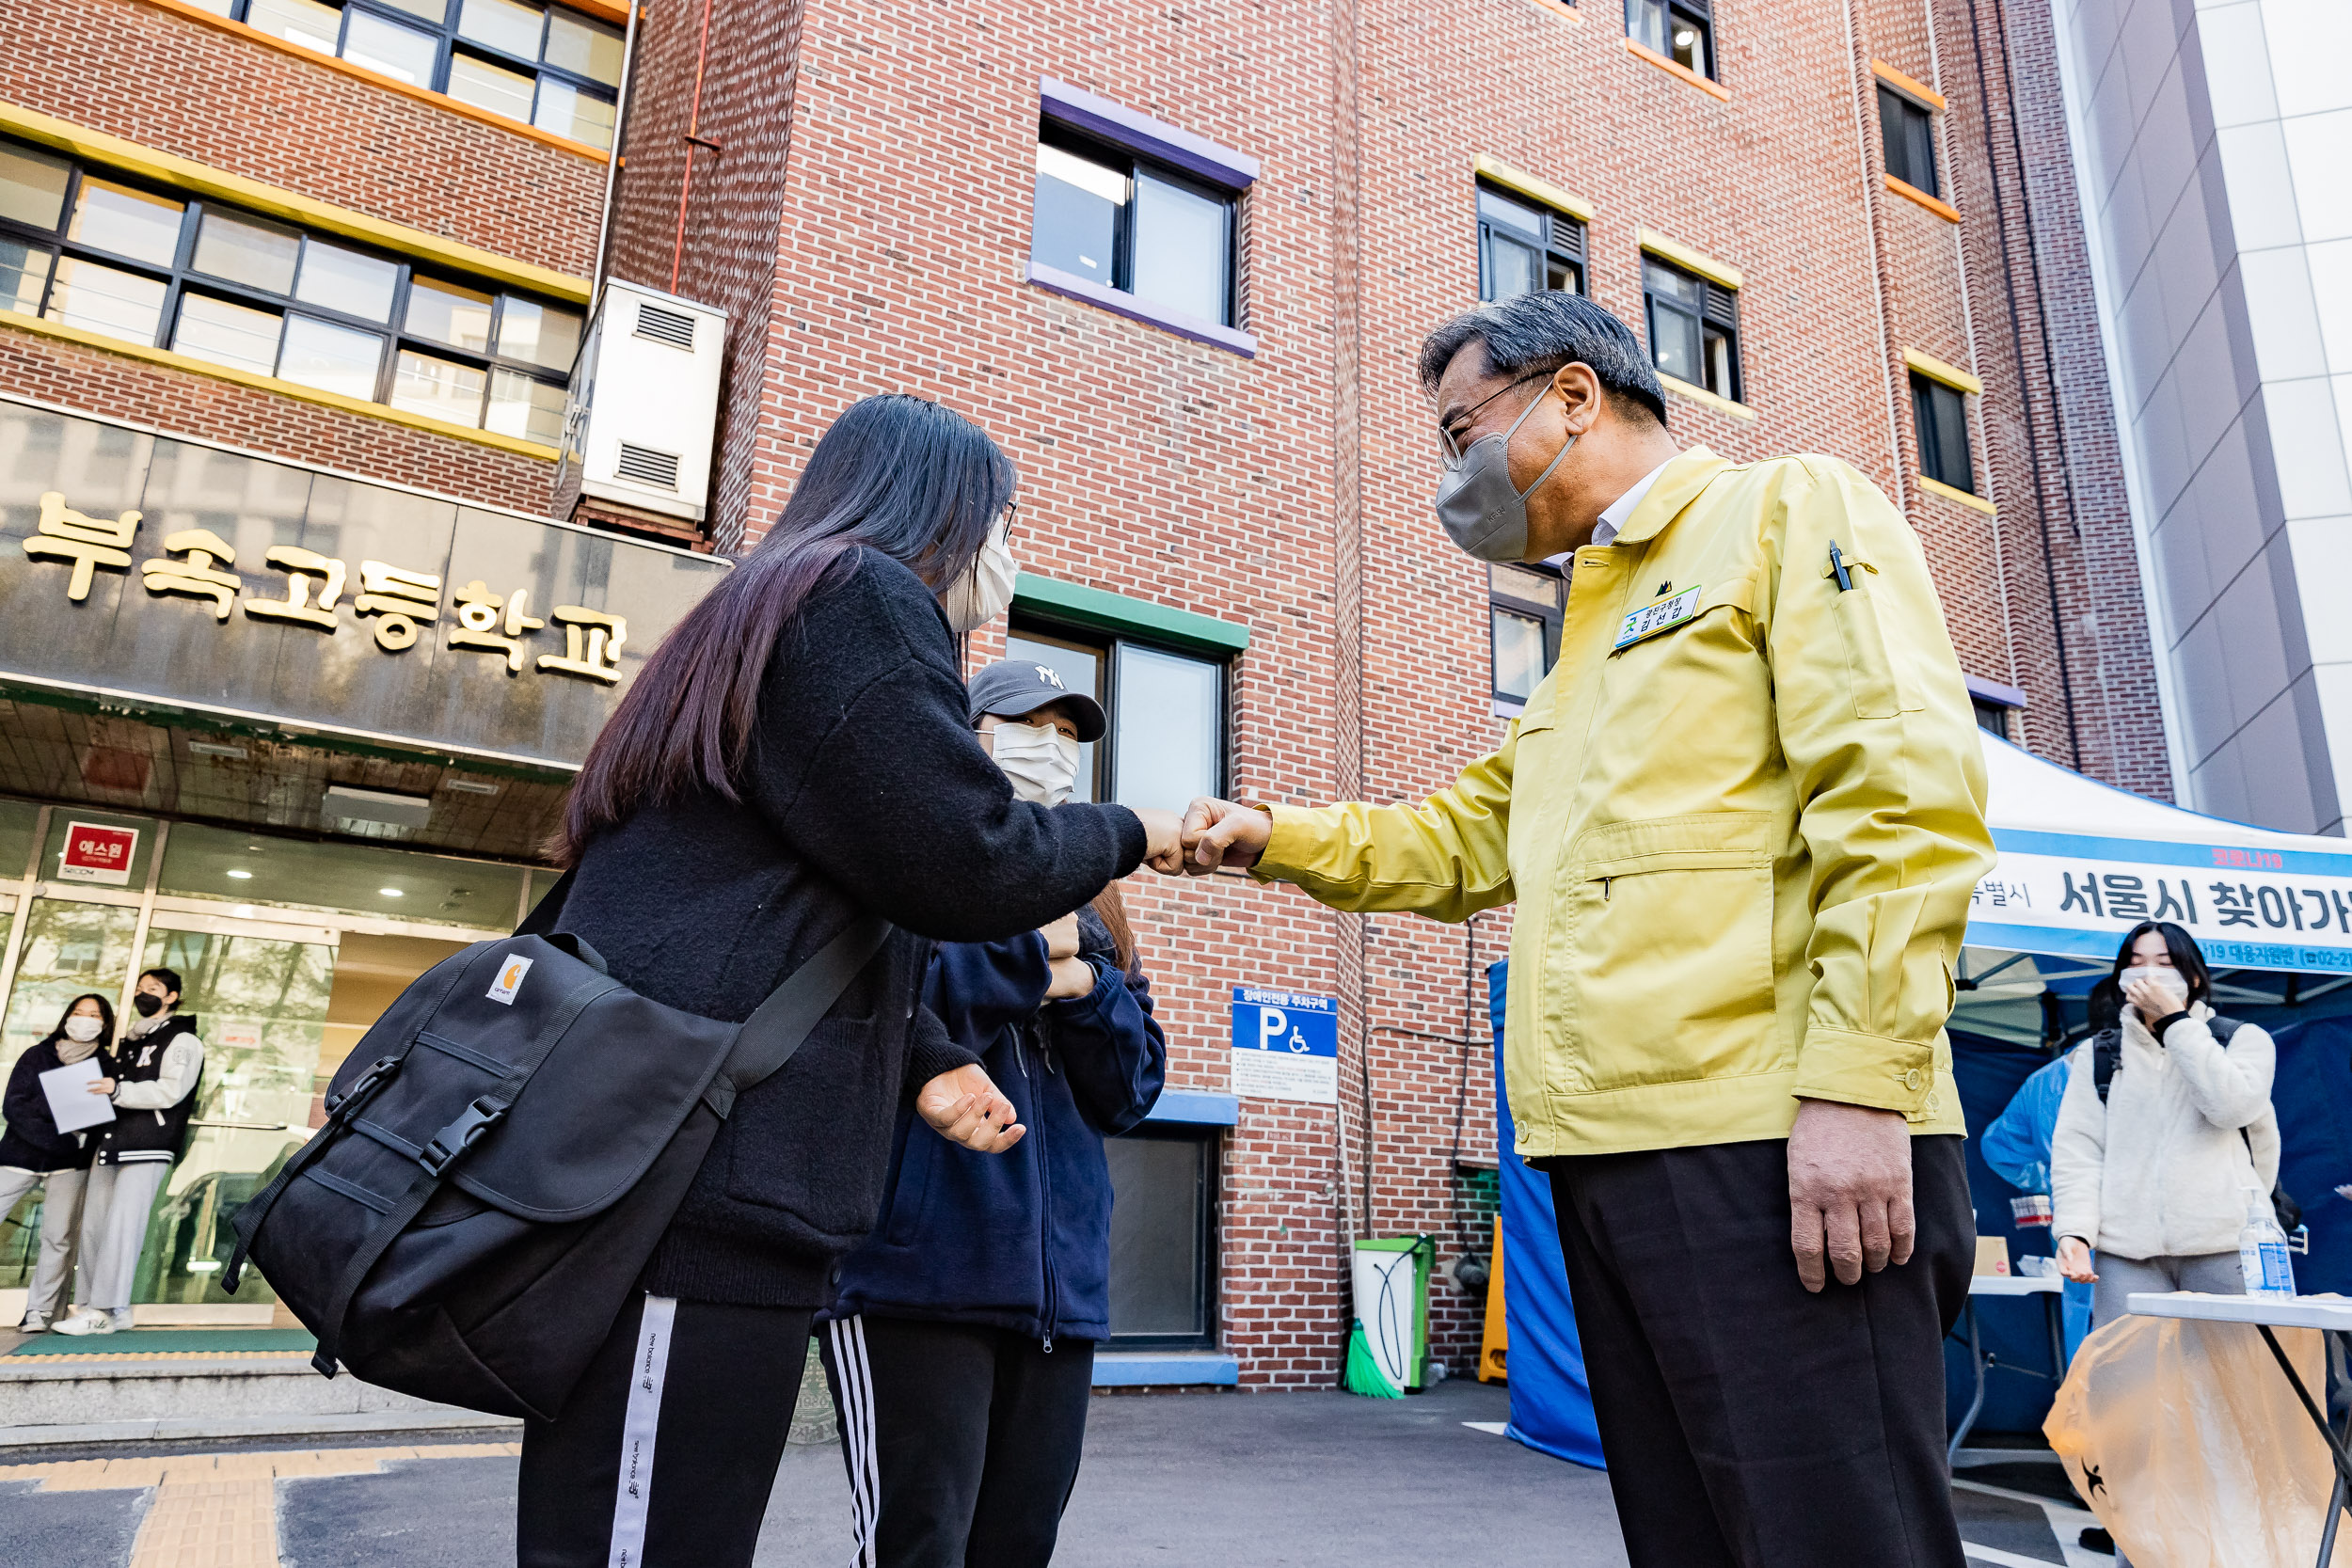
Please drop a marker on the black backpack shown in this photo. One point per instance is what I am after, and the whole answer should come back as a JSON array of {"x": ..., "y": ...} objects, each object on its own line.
[
  {"x": 2106, "y": 1055},
  {"x": 502, "y": 1152}
]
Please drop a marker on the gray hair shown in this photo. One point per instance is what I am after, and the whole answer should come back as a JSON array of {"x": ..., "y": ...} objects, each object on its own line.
[{"x": 1541, "y": 331}]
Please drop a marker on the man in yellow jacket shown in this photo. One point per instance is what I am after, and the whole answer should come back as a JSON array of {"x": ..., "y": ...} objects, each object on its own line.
[{"x": 1740, "y": 820}]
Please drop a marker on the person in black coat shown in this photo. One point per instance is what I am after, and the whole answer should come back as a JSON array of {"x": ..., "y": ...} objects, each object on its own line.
[
  {"x": 33, "y": 1153},
  {"x": 794, "y": 756},
  {"x": 961, "y": 1347}
]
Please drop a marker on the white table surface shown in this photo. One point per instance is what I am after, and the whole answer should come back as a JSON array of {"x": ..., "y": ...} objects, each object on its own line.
[
  {"x": 2016, "y": 1285},
  {"x": 2330, "y": 1312}
]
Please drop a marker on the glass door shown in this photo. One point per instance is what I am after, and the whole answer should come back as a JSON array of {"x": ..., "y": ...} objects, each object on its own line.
[{"x": 259, "y": 995}]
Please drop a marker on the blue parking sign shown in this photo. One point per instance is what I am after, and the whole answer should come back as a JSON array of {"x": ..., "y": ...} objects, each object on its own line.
[{"x": 1286, "y": 1046}]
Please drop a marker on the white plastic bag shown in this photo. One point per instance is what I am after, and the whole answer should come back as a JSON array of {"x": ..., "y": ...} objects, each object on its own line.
[{"x": 2187, "y": 1441}]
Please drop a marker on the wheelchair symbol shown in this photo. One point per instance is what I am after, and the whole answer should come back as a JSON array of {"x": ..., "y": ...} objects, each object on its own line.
[{"x": 1271, "y": 1023}]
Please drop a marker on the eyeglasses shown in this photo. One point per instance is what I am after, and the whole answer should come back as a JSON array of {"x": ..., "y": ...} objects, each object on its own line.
[
  {"x": 1448, "y": 449},
  {"x": 1010, "y": 516}
]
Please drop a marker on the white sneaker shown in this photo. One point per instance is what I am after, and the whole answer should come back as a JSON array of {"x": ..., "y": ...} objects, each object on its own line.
[
  {"x": 35, "y": 1322},
  {"x": 88, "y": 1320}
]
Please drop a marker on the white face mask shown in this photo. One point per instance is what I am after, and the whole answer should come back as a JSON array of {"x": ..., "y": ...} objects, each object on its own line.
[
  {"x": 81, "y": 1029},
  {"x": 1041, "y": 762},
  {"x": 981, "y": 594},
  {"x": 2167, "y": 980}
]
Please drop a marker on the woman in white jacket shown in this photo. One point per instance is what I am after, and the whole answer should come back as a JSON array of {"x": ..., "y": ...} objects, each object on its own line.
[{"x": 2156, "y": 1177}]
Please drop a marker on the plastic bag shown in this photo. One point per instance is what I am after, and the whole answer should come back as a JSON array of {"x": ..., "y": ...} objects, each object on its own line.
[{"x": 2187, "y": 1442}]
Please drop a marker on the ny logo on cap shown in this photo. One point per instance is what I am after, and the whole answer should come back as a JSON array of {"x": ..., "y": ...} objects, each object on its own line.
[{"x": 1047, "y": 675}]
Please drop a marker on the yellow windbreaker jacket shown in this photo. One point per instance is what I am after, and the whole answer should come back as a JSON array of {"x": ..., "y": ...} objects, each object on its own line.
[{"x": 1741, "y": 826}]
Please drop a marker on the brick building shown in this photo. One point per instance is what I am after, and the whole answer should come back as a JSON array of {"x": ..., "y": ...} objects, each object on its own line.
[{"x": 1178, "y": 263}]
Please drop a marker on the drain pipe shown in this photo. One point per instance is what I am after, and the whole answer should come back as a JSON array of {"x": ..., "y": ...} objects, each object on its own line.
[
  {"x": 693, "y": 140},
  {"x": 612, "y": 164}
]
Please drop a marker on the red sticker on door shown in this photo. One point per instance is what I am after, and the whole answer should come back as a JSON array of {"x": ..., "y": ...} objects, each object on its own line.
[{"x": 93, "y": 853}]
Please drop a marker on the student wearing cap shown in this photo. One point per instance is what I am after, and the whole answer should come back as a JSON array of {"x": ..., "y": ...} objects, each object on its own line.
[{"x": 960, "y": 1345}]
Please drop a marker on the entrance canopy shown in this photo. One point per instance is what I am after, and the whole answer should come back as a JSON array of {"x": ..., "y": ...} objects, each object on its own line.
[{"x": 2081, "y": 862}]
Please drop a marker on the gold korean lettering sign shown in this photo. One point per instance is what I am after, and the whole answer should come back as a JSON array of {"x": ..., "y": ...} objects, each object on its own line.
[{"x": 397, "y": 603}]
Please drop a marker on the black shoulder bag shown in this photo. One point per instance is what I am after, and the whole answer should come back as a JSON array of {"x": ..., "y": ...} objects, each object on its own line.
[
  {"x": 2106, "y": 1055},
  {"x": 502, "y": 1152}
]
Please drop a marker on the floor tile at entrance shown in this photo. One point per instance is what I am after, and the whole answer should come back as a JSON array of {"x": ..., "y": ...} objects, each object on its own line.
[{"x": 172, "y": 1341}]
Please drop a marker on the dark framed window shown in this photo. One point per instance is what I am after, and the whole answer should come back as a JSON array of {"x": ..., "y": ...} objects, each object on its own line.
[
  {"x": 1908, "y": 129},
  {"x": 1523, "y": 247},
  {"x": 1165, "y": 741},
  {"x": 1126, "y": 223},
  {"x": 1682, "y": 30},
  {"x": 84, "y": 247},
  {"x": 1991, "y": 715},
  {"x": 1163, "y": 1238},
  {"x": 1942, "y": 415},
  {"x": 1523, "y": 605},
  {"x": 1694, "y": 328},
  {"x": 543, "y": 65}
]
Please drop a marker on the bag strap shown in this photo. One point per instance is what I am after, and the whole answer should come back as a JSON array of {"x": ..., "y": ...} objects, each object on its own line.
[{"x": 771, "y": 1034}]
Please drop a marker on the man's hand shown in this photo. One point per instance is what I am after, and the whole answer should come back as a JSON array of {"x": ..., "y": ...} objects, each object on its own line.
[
  {"x": 1061, "y": 937},
  {"x": 100, "y": 1085},
  {"x": 1071, "y": 977},
  {"x": 963, "y": 1107},
  {"x": 1849, "y": 1191},
  {"x": 1163, "y": 839},
  {"x": 2073, "y": 1261},
  {"x": 1220, "y": 833}
]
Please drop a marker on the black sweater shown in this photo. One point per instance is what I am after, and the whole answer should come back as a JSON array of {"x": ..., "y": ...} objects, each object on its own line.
[
  {"x": 32, "y": 1141},
  {"x": 866, "y": 792}
]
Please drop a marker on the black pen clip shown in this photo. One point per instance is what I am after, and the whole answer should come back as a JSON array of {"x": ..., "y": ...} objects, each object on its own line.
[{"x": 1838, "y": 568}]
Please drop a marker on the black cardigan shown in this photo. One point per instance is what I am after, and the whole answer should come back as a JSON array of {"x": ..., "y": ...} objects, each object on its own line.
[
  {"x": 865, "y": 791},
  {"x": 32, "y": 1141}
]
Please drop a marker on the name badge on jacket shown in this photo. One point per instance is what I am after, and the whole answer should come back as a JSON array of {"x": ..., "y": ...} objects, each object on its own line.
[{"x": 1657, "y": 616}]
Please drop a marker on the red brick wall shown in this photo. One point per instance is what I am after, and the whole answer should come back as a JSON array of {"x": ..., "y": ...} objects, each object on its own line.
[{"x": 1289, "y": 492}]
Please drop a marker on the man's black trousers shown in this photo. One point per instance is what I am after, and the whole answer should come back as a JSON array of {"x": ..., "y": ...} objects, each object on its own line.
[
  {"x": 1748, "y": 1423},
  {"x": 961, "y": 1442}
]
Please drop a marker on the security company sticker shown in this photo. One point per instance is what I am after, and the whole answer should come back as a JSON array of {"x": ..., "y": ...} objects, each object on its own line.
[
  {"x": 1657, "y": 615},
  {"x": 510, "y": 980}
]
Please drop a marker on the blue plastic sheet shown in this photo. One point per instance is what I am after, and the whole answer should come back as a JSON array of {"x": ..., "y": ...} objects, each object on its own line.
[{"x": 1551, "y": 1404}]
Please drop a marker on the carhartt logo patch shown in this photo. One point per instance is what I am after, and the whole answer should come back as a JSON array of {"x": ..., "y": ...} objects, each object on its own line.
[{"x": 510, "y": 980}]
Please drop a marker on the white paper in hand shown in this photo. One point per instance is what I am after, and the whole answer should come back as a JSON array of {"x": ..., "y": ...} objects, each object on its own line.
[{"x": 70, "y": 1100}]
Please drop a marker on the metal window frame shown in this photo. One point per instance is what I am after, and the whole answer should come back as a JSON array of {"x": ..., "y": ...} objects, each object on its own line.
[
  {"x": 1908, "y": 109},
  {"x": 1043, "y": 626},
  {"x": 1552, "y": 616},
  {"x": 1095, "y": 149},
  {"x": 1206, "y": 1275},
  {"x": 180, "y": 278},
  {"x": 1718, "y": 313},
  {"x": 1934, "y": 462},
  {"x": 1567, "y": 242},
  {"x": 449, "y": 43},
  {"x": 1699, "y": 13}
]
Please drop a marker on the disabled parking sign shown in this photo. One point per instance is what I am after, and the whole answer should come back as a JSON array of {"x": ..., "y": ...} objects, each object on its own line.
[{"x": 1286, "y": 1046}]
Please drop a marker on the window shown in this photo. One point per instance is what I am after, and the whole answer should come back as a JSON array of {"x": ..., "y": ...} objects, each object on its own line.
[
  {"x": 1165, "y": 741},
  {"x": 1991, "y": 716},
  {"x": 1694, "y": 328},
  {"x": 1942, "y": 414},
  {"x": 1523, "y": 247},
  {"x": 1163, "y": 1276},
  {"x": 1909, "y": 132},
  {"x": 249, "y": 293},
  {"x": 1524, "y": 605},
  {"x": 1681, "y": 30},
  {"x": 1116, "y": 220},
  {"x": 542, "y": 65}
]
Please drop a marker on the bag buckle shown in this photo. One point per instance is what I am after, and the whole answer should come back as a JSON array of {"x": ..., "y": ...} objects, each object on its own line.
[
  {"x": 363, "y": 1088},
  {"x": 461, "y": 1134}
]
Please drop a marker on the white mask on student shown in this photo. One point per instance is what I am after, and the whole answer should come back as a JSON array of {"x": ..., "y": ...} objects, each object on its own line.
[
  {"x": 1041, "y": 762},
  {"x": 81, "y": 1029},
  {"x": 2166, "y": 980},
  {"x": 979, "y": 596}
]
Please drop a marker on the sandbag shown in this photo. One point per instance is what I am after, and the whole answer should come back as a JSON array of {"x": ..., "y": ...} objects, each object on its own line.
[{"x": 2187, "y": 1441}]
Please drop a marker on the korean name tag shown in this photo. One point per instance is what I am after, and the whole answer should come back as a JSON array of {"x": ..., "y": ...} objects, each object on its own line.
[{"x": 1657, "y": 616}]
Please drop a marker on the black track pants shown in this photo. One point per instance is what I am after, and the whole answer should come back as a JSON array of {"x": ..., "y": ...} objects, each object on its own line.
[
  {"x": 961, "y": 1443},
  {"x": 1747, "y": 1424},
  {"x": 666, "y": 1453}
]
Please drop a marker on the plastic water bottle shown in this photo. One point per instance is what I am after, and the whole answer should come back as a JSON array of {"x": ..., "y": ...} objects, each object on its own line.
[{"x": 2262, "y": 1250}]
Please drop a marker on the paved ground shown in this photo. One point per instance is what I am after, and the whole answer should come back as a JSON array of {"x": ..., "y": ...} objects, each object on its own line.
[{"x": 1234, "y": 1481}]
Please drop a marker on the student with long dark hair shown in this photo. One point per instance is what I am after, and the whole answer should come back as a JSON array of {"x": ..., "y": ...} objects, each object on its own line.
[
  {"x": 33, "y": 1153},
  {"x": 795, "y": 755},
  {"x": 2165, "y": 1126}
]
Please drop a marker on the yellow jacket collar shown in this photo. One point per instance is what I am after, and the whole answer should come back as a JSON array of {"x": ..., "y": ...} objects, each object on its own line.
[{"x": 1677, "y": 488}]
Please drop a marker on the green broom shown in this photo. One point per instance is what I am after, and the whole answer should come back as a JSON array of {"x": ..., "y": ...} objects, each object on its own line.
[{"x": 1363, "y": 1375}]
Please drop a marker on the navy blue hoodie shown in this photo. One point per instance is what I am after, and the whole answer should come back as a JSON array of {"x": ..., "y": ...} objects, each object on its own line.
[{"x": 1020, "y": 1239}]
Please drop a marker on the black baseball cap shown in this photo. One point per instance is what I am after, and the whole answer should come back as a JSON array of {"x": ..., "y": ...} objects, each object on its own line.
[{"x": 1013, "y": 687}]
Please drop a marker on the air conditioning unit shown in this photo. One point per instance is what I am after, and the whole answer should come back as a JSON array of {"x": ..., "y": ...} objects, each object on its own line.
[{"x": 645, "y": 402}]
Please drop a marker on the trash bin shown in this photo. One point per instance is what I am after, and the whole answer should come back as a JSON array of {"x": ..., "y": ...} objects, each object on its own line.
[{"x": 1392, "y": 1303}]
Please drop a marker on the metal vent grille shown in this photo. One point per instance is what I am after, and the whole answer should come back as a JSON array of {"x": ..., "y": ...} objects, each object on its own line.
[
  {"x": 1722, "y": 305},
  {"x": 644, "y": 466},
  {"x": 674, "y": 328}
]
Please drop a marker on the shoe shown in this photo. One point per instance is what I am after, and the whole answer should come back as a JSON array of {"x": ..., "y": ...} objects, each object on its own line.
[
  {"x": 88, "y": 1320},
  {"x": 35, "y": 1322},
  {"x": 2096, "y": 1540}
]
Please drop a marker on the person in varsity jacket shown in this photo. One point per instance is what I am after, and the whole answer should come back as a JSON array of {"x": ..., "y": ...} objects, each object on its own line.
[{"x": 155, "y": 1067}]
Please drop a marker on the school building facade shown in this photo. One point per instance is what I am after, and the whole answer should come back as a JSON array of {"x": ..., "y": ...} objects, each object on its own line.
[{"x": 1176, "y": 262}]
